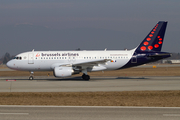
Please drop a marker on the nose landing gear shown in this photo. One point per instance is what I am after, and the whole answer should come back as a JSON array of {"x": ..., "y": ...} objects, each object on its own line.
[{"x": 31, "y": 77}]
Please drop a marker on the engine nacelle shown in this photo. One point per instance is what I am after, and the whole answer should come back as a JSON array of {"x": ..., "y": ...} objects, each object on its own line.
[{"x": 63, "y": 71}]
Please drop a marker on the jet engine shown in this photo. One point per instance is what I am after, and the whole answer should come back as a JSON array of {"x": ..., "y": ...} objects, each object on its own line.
[{"x": 63, "y": 71}]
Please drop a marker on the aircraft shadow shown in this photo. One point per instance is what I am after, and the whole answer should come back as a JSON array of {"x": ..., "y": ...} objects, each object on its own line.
[
  {"x": 93, "y": 78},
  {"x": 78, "y": 78},
  {"x": 131, "y": 78}
]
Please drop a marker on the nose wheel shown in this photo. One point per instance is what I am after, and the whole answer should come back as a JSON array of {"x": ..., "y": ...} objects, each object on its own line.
[{"x": 31, "y": 77}]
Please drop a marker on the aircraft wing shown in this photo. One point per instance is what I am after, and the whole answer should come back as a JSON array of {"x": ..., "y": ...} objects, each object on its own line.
[
  {"x": 91, "y": 63},
  {"x": 82, "y": 64}
]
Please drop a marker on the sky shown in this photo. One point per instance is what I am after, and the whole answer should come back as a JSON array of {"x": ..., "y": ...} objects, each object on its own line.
[{"x": 84, "y": 24}]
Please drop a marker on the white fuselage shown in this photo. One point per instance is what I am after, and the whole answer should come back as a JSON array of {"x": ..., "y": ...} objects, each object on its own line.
[
  {"x": 48, "y": 60},
  {"x": 67, "y": 63}
]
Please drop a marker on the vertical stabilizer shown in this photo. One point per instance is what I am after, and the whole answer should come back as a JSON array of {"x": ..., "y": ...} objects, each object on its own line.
[{"x": 154, "y": 40}]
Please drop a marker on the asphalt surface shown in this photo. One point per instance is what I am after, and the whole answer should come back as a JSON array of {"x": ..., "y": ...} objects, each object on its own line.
[
  {"x": 87, "y": 113},
  {"x": 76, "y": 84}
]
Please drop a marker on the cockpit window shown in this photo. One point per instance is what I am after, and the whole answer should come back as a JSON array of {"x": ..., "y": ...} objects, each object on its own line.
[{"x": 18, "y": 58}]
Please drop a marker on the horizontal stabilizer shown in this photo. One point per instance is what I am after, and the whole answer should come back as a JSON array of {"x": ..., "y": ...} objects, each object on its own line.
[{"x": 159, "y": 55}]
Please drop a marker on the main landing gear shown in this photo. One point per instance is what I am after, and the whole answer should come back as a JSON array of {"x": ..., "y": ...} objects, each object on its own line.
[
  {"x": 31, "y": 77},
  {"x": 85, "y": 77}
]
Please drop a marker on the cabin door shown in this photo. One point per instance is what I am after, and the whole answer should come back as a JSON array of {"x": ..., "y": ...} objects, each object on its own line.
[{"x": 31, "y": 58}]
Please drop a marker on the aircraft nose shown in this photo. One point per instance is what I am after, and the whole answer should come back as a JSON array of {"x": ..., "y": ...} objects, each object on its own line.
[{"x": 9, "y": 64}]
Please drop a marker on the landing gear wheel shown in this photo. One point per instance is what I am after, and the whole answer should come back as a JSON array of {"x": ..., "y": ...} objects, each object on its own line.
[
  {"x": 85, "y": 77},
  {"x": 31, "y": 78}
]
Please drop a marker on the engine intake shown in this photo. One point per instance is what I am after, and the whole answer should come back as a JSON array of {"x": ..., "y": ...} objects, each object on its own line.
[{"x": 63, "y": 71}]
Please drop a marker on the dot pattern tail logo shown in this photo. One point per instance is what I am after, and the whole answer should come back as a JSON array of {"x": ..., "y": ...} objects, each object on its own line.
[{"x": 154, "y": 40}]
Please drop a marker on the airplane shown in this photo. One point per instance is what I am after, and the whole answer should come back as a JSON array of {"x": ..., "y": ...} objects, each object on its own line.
[{"x": 67, "y": 63}]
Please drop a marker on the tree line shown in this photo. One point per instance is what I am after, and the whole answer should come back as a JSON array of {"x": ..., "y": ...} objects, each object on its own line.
[{"x": 6, "y": 58}]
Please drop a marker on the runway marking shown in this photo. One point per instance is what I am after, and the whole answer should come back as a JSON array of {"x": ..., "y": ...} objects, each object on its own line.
[
  {"x": 171, "y": 115},
  {"x": 135, "y": 107},
  {"x": 10, "y": 80},
  {"x": 14, "y": 113}
]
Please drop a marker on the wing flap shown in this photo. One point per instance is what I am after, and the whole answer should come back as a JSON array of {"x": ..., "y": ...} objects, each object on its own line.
[{"x": 91, "y": 63}]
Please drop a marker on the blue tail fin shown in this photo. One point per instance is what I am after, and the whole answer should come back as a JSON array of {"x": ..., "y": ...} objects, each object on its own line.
[{"x": 154, "y": 40}]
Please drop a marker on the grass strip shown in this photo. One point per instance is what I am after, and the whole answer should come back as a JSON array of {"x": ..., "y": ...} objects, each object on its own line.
[{"x": 126, "y": 98}]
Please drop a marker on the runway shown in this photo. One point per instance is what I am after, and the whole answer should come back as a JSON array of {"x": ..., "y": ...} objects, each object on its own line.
[
  {"x": 76, "y": 84},
  {"x": 88, "y": 113}
]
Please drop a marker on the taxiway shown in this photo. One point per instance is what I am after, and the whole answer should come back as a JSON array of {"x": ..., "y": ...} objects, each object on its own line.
[
  {"x": 76, "y": 84},
  {"x": 90, "y": 113}
]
